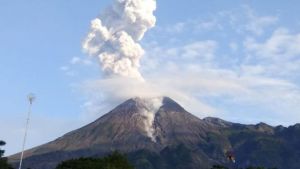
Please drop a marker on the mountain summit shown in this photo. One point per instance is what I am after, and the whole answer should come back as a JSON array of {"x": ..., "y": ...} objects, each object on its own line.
[
  {"x": 157, "y": 133},
  {"x": 137, "y": 124}
]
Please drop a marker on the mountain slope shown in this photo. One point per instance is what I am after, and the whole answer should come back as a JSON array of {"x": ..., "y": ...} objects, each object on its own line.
[{"x": 159, "y": 134}]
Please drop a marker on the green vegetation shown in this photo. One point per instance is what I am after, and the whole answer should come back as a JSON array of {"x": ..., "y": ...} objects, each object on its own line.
[
  {"x": 219, "y": 167},
  {"x": 3, "y": 160},
  {"x": 223, "y": 167},
  {"x": 113, "y": 161}
]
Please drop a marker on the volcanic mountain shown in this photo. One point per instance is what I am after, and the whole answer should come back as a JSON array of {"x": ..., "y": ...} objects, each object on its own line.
[{"x": 158, "y": 133}]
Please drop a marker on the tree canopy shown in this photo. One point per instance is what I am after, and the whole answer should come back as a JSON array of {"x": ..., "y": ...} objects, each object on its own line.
[
  {"x": 223, "y": 167},
  {"x": 3, "y": 160},
  {"x": 113, "y": 161}
]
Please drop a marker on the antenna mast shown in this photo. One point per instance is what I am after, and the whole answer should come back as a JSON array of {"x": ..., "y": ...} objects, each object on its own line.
[{"x": 31, "y": 97}]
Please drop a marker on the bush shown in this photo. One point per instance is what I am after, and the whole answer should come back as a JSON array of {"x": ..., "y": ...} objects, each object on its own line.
[
  {"x": 223, "y": 167},
  {"x": 218, "y": 167},
  {"x": 113, "y": 161}
]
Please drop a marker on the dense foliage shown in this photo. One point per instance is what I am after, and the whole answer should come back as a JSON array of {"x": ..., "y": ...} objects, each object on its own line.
[
  {"x": 223, "y": 167},
  {"x": 3, "y": 160},
  {"x": 113, "y": 161}
]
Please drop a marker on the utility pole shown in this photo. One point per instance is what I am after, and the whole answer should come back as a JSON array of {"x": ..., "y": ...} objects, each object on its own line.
[{"x": 30, "y": 98}]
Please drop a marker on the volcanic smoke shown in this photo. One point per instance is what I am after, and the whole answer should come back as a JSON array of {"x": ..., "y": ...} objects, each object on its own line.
[{"x": 114, "y": 36}]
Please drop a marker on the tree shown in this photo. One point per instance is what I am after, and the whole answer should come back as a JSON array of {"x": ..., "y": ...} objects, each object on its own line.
[
  {"x": 218, "y": 167},
  {"x": 223, "y": 167},
  {"x": 2, "y": 143},
  {"x": 113, "y": 161},
  {"x": 3, "y": 160}
]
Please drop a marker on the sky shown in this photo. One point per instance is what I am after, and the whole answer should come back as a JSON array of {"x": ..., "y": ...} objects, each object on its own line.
[{"x": 236, "y": 60}]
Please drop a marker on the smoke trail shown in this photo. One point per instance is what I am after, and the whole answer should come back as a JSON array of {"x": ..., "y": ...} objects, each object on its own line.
[
  {"x": 114, "y": 36},
  {"x": 149, "y": 110}
]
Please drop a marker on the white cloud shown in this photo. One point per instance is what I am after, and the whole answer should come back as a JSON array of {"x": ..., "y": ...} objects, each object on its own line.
[
  {"x": 76, "y": 65},
  {"x": 282, "y": 45},
  {"x": 80, "y": 61},
  {"x": 202, "y": 49},
  {"x": 208, "y": 25},
  {"x": 279, "y": 54},
  {"x": 171, "y": 72},
  {"x": 68, "y": 71},
  {"x": 258, "y": 24},
  {"x": 116, "y": 90},
  {"x": 191, "y": 88},
  {"x": 242, "y": 20},
  {"x": 246, "y": 85},
  {"x": 177, "y": 28},
  {"x": 203, "y": 76},
  {"x": 202, "y": 52},
  {"x": 75, "y": 60}
]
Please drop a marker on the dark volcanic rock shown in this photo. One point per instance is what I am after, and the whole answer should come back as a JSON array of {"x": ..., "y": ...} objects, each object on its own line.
[
  {"x": 160, "y": 134},
  {"x": 137, "y": 124}
]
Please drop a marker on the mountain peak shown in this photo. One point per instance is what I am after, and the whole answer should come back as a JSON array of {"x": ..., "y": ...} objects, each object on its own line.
[
  {"x": 151, "y": 104},
  {"x": 148, "y": 108},
  {"x": 144, "y": 113},
  {"x": 159, "y": 128},
  {"x": 154, "y": 103},
  {"x": 136, "y": 124}
]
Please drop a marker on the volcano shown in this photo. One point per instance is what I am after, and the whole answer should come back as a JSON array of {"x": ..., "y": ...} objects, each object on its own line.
[{"x": 158, "y": 133}]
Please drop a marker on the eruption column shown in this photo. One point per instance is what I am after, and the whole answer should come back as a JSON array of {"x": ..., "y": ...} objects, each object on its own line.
[{"x": 114, "y": 36}]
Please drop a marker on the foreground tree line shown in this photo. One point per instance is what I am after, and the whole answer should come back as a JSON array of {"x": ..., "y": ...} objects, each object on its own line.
[{"x": 115, "y": 161}]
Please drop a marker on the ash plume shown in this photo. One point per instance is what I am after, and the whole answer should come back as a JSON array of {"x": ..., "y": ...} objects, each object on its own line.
[{"x": 114, "y": 36}]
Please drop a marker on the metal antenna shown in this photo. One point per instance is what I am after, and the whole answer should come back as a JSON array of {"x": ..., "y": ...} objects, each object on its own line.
[{"x": 31, "y": 97}]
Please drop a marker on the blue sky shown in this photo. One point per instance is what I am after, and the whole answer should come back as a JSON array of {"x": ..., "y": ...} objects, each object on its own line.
[{"x": 238, "y": 60}]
